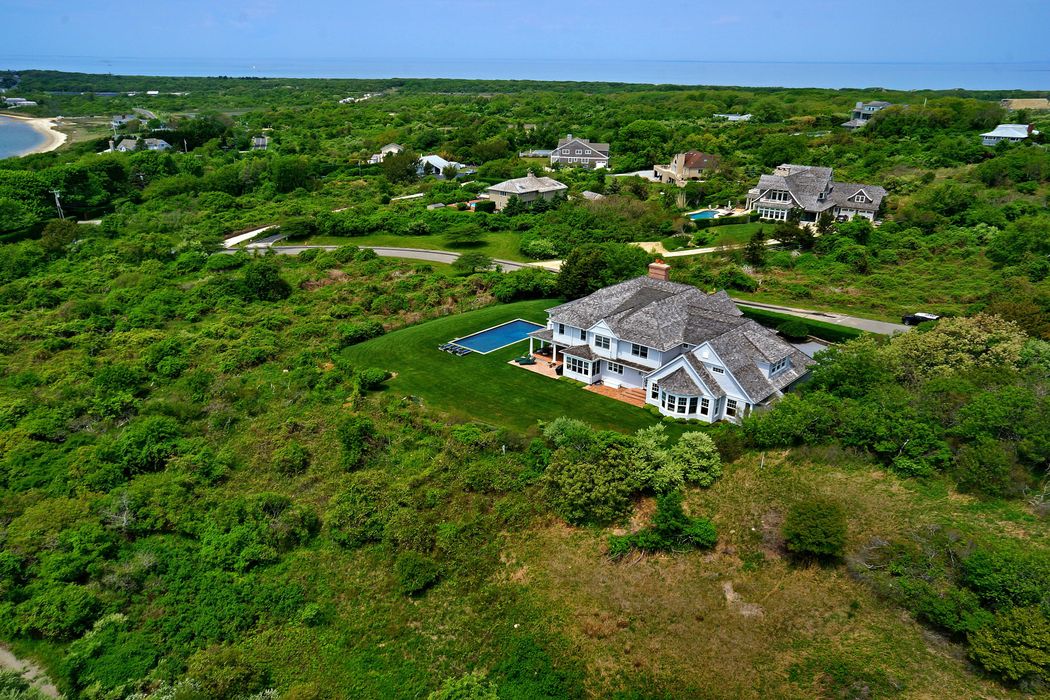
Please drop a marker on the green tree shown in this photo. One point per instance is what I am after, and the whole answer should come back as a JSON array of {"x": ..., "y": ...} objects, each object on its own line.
[
  {"x": 472, "y": 262},
  {"x": 401, "y": 167},
  {"x": 755, "y": 251},
  {"x": 698, "y": 457},
  {"x": 263, "y": 281}
]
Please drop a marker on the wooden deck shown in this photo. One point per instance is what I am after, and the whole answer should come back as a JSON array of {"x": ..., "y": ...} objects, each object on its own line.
[
  {"x": 635, "y": 397},
  {"x": 543, "y": 366}
]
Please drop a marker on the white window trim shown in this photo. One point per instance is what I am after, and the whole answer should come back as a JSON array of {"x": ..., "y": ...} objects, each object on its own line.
[
  {"x": 640, "y": 351},
  {"x": 614, "y": 367},
  {"x": 602, "y": 341}
]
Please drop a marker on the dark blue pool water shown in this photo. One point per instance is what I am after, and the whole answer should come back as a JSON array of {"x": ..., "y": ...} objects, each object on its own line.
[
  {"x": 706, "y": 214},
  {"x": 499, "y": 336}
]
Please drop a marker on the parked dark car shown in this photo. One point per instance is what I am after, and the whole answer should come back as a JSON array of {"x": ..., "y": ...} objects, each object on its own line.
[{"x": 917, "y": 318}]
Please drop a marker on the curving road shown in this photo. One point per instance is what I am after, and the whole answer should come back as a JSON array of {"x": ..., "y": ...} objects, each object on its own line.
[
  {"x": 449, "y": 257},
  {"x": 439, "y": 256}
]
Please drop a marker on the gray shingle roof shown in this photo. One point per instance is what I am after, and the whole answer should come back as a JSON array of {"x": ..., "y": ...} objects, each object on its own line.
[
  {"x": 706, "y": 377},
  {"x": 652, "y": 312},
  {"x": 583, "y": 352},
  {"x": 543, "y": 334},
  {"x": 806, "y": 184},
  {"x": 530, "y": 183},
  {"x": 741, "y": 349},
  {"x": 601, "y": 147},
  {"x": 679, "y": 382}
]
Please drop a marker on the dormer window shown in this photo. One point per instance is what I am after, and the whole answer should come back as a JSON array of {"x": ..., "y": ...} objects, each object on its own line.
[
  {"x": 822, "y": 195},
  {"x": 859, "y": 197},
  {"x": 779, "y": 366},
  {"x": 779, "y": 196}
]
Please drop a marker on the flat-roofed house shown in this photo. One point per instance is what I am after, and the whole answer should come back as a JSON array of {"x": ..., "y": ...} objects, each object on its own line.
[
  {"x": 1014, "y": 133},
  {"x": 814, "y": 191},
  {"x": 692, "y": 355},
  {"x": 691, "y": 165},
  {"x": 572, "y": 150},
  {"x": 526, "y": 189}
]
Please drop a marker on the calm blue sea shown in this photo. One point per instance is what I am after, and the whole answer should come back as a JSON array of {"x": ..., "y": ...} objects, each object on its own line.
[
  {"x": 901, "y": 76},
  {"x": 16, "y": 137}
]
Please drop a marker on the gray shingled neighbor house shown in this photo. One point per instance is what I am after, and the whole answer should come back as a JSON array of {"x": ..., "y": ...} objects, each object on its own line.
[
  {"x": 813, "y": 190},
  {"x": 526, "y": 189},
  {"x": 694, "y": 355},
  {"x": 572, "y": 150}
]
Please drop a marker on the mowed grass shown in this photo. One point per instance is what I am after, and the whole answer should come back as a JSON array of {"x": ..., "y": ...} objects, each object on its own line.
[
  {"x": 744, "y": 620},
  {"x": 733, "y": 234},
  {"x": 484, "y": 387},
  {"x": 502, "y": 245}
]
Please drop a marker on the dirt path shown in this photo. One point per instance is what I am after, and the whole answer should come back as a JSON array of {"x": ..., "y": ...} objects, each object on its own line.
[{"x": 32, "y": 673}]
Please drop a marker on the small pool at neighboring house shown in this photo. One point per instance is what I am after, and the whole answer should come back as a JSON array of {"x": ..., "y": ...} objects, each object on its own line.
[
  {"x": 705, "y": 214},
  {"x": 497, "y": 337}
]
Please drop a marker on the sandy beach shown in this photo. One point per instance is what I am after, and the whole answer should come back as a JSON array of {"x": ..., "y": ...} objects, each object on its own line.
[{"x": 53, "y": 138}]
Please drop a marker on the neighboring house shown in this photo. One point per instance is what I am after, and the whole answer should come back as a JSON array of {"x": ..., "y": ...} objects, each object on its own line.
[
  {"x": 128, "y": 144},
  {"x": 814, "y": 191},
  {"x": 691, "y": 165},
  {"x": 384, "y": 152},
  {"x": 436, "y": 165},
  {"x": 122, "y": 120},
  {"x": 19, "y": 102},
  {"x": 526, "y": 189},
  {"x": 1036, "y": 104},
  {"x": 573, "y": 150},
  {"x": 693, "y": 354},
  {"x": 734, "y": 117},
  {"x": 260, "y": 143},
  {"x": 1014, "y": 133},
  {"x": 593, "y": 196},
  {"x": 863, "y": 112}
]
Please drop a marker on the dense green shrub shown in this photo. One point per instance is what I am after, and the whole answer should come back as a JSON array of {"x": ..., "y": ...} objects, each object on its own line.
[
  {"x": 415, "y": 572},
  {"x": 353, "y": 333},
  {"x": 291, "y": 459},
  {"x": 1007, "y": 576},
  {"x": 1016, "y": 645},
  {"x": 794, "y": 330},
  {"x": 356, "y": 435},
  {"x": 672, "y": 530},
  {"x": 263, "y": 282},
  {"x": 816, "y": 528}
]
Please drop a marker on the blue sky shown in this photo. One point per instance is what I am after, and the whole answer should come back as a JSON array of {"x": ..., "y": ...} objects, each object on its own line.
[{"x": 707, "y": 30}]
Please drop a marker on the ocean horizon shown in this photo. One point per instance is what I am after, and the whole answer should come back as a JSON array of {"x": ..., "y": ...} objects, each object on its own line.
[{"x": 788, "y": 74}]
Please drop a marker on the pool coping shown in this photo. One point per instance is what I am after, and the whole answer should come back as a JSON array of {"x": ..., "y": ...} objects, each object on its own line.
[{"x": 455, "y": 341}]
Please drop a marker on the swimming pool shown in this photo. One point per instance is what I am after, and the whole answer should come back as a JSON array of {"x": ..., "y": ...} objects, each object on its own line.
[
  {"x": 497, "y": 337},
  {"x": 705, "y": 214}
]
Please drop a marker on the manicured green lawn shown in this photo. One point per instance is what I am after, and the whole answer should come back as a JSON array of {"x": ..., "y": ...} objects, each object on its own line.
[
  {"x": 733, "y": 234},
  {"x": 484, "y": 387},
  {"x": 502, "y": 245}
]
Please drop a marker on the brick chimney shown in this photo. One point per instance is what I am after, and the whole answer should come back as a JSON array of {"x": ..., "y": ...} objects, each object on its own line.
[{"x": 660, "y": 270}]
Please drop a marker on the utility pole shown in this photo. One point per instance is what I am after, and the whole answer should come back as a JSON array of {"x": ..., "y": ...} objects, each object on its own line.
[{"x": 58, "y": 203}]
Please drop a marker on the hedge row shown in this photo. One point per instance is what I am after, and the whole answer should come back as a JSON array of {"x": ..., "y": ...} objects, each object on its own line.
[
  {"x": 726, "y": 220},
  {"x": 818, "y": 329}
]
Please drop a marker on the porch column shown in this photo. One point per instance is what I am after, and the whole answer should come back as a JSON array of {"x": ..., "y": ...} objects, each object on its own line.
[{"x": 530, "y": 346}]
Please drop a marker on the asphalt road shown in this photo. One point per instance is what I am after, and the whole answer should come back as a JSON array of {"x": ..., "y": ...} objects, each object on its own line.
[
  {"x": 864, "y": 324},
  {"x": 439, "y": 256},
  {"x": 449, "y": 257}
]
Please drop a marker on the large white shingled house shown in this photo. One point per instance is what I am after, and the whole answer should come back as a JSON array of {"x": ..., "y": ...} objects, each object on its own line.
[
  {"x": 813, "y": 190},
  {"x": 693, "y": 354}
]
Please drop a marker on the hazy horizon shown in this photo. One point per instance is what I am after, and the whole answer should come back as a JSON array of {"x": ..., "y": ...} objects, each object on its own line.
[{"x": 819, "y": 31}]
